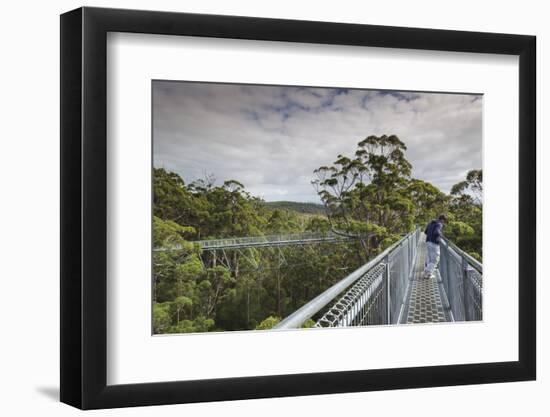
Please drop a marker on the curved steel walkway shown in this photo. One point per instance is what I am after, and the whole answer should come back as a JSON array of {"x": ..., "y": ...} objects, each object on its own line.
[
  {"x": 272, "y": 240},
  {"x": 269, "y": 240},
  {"x": 390, "y": 289}
]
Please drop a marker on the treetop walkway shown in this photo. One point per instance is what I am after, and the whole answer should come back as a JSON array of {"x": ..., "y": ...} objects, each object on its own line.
[
  {"x": 391, "y": 289},
  {"x": 270, "y": 240}
]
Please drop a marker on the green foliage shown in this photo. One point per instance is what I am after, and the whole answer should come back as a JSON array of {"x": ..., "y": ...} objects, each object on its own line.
[
  {"x": 471, "y": 186},
  {"x": 305, "y": 208},
  {"x": 427, "y": 201},
  {"x": 198, "y": 325},
  {"x": 465, "y": 207},
  {"x": 318, "y": 224},
  {"x": 283, "y": 221},
  {"x": 169, "y": 233},
  {"x": 309, "y": 323},
  {"x": 268, "y": 323},
  {"x": 476, "y": 256},
  {"x": 456, "y": 229},
  {"x": 389, "y": 240},
  {"x": 161, "y": 317},
  {"x": 195, "y": 293}
]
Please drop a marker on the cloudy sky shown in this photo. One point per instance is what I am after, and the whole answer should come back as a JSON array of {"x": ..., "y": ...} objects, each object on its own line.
[{"x": 271, "y": 138}]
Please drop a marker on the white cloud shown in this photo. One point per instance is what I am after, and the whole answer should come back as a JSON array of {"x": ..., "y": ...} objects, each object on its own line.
[{"x": 272, "y": 138}]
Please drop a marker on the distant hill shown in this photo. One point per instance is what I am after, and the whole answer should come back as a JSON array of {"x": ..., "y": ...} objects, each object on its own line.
[{"x": 307, "y": 208}]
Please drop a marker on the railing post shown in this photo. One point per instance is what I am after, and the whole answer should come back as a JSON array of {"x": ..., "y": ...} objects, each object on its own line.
[
  {"x": 465, "y": 291},
  {"x": 444, "y": 275},
  {"x": 442, "y": 262},
  {"x": 388, "y": 296},
  {"x": 447, "y": 266}
]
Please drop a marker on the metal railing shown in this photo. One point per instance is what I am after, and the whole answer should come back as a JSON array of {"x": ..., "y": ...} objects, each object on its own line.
[
  {"x": 268, "y": 240},
  {"x": 372, "y": 294},
  {"x": 462, "y": 278}
]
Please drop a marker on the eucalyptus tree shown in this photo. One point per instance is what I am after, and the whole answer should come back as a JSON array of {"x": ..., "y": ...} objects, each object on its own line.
[
  {"x": 428, "y": 201},
  {"x": 466, "y": 207},
  {"x": 472, "y": 186},
  {"x": 368, "y": 192}
]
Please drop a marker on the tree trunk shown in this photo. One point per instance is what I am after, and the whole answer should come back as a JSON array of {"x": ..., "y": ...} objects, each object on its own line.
[
  {"x": 236, "y": 264},
  {"x": 279, "y": 292},
  {"x": 247, "y": 305}
]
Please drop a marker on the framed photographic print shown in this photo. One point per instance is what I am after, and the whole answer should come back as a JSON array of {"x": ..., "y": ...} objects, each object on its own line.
[{"x": 259, "y": 207}]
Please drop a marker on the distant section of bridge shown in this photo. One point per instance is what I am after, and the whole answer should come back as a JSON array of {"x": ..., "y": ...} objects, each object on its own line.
[{"x": 269, "y": 240}]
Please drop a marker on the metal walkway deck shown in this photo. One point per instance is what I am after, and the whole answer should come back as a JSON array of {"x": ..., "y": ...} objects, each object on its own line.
[{"x": 424, "y": 301}]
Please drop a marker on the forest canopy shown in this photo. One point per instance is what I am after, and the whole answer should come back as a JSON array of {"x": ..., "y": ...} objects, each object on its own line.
[{"x": 371, "y": 193}]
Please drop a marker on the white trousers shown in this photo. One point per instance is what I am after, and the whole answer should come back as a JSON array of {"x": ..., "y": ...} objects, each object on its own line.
[{"x": 432, "y": 258}]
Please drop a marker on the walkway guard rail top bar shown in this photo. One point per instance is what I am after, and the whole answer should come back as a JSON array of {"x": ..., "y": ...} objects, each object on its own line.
[{"x": 296, "y": 319}]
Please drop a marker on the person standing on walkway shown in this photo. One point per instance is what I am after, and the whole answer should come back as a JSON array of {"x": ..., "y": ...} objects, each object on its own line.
[{"x": 433, "y": 232}]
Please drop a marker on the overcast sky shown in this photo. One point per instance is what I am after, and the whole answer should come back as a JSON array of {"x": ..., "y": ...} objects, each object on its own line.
[{"x": 271, "y": 138}]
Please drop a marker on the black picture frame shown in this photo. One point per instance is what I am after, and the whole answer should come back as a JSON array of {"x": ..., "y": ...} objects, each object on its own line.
[{"x": 84, "y": 207}]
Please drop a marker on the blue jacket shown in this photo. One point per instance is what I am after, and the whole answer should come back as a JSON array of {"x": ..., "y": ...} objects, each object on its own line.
[{"x": 434, "y": 231}]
